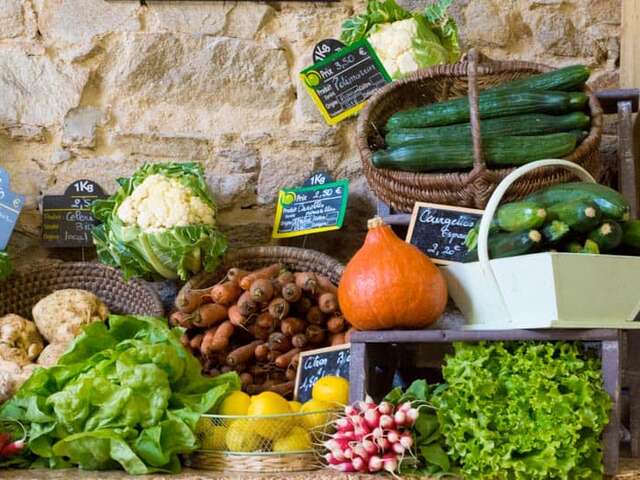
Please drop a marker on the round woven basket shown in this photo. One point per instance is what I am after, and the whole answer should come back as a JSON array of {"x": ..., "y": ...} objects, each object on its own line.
[
  {"x": 230, "y": 462},
  {"x": 21, "y": 291},
  {"x": 251, "y": 258},
  {"x": 469, "y": 188}
]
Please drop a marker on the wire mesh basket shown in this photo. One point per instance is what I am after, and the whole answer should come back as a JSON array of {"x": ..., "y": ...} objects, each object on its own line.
[{"x": 268, "y": 443}]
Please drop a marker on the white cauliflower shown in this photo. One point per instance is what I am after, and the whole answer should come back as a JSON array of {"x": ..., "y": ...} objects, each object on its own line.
[
  {"x": 20, "y": 341},
  {"x": 161, "y": 202},
  {"x": 393, "y": 44}
]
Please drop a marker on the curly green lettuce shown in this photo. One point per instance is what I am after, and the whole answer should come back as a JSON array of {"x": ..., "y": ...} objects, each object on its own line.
[
  {"x": 523, "y": 411},
  {"x": 123, "y": 396},
  {"x": 125, "y": 239}
]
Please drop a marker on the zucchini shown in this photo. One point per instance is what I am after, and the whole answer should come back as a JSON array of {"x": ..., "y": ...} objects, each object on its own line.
[
  {"x": 458, "y": 155},
  {"x": 471, "y": 240},
  {"x": 555, "y": 231},
  {"x": 608, "y": 236},
  {"x": 516, "y": 216},
  {"x": 573, "y": 247},
  {"x": 567, "y": 78},
  {"x": 590, "y": 247},
  {"x": 508, "y": 245},
  {"x": 578, "y": 100},
  {"x": 490, "y": 104},
  {"x": 631, "y": 236},
  {"x": 528, "y": 124},
  {"x": 579, "y": 215},
  {"x": 611, "y": 203}
]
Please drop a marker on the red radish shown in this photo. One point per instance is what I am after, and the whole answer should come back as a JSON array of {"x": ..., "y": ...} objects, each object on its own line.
[
  {"x": 406, "y": 440},
  {"x": 361, "y": 432},
  {"x": 385, "y": 408},
  {"x": 360, "y": 451},
  {"x": 378, "y": 433},
  {"x": 348, "y": 453},
  {"x": 359, "y": 464},
  {"x": 390, "y": 462},
  {"x": 372, "y": 418},
  {"x": 350, "y": 410},
  {"x": 404, "y": 407},
  {"x": 5, "y": 439},
  {"x": 375, "y": 464},
  {"x": 339, "y": 455},
  {"x": 369, "y": 447},
  {"x": 398, "y": 448},
  {"x": 346, "y": 467},
  {"x": 393, "y": 436},
  {"x": 386, "y": 422},
  {"x": 339, "y": 444},
  {"x": 331, "y": 459},
  {"x": 12, "y": 448},
  {"x": 344, "y": 425},
  {"x": 412, "y": 416},
  {"x": 400, "y": 418},
  {"x": 383, "y": 443}
]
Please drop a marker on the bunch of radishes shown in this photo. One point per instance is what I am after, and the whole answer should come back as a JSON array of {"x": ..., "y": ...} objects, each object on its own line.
[
  {"x": 9, "y": 448},
  {"x": 372, "y": 437}
]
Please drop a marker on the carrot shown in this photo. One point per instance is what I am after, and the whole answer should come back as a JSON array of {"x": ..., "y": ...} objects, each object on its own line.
[
  {"x": 236, "y": 317},
  {"x": 290, "y": 326},
  {"x": 285, "y": 277},
  {"x": 283, "y": 360},
  {"x": 303, "y": 305},
  {"x": 180, "y": 319},
  {"x": 243, "y": 354},
  {"x": 261, "y": 352},
  {"x": 299, "y": 340},
  {"x": 326, "y": 285},
  {"x": 290, "y": 373},
  {"x": 279, "y": 342},
  {"x": 267, "y": 272},
  {"x": 226, "y": 369},
  {"x": 337, "y": 339},
  {"x": 283, "y": 389},
  {"x": 226, "y": 293},
  {"x": 306, "y": 281},
  {"x": 265, "y": 320},
  {"x": 314, "y": 316},
  {"x": 208, "y": 315},
  {"x": 216, "y": 339},
  {"x": 328, "y": 303},
  {"x": 196, "y": 342},
  {"x": 236, "y": 274},
  {"x": 259, "y": 387},
  {"x": 214, "y": 372},
  {"x": 259, "y": 332},
  {"x": 190, "y": 300},
  {"x": 278, "y": 308},
  {"x": 335, "y": 324},
  {"x": 315, "y": 334},
  {"x": 246, "y": 305},
  {"x": 246, "y": 379},
  {"x": 184, "y": 340},
  {"x": 291, "y": 292},
  {"x": 261, "y": 290}
]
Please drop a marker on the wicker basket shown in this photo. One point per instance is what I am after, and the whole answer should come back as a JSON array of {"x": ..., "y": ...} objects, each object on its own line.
[
  {"x": 470, "y": 188},
  {"x": 251, "y": 258},
  {"x": 258, "y": 437},
  {"x": 20, "y": 292}
]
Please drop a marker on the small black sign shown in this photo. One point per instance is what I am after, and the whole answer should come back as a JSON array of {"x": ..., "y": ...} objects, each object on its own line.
[
  {"x": 316, "y": 207},
  {"x": 439, "y": 230},
  {"x": 326, "y": 47},
  {"x": 66, "y": 219},
  {"x": 10, "y": 205},
  {"x": 341, "y": 83},
  {"x": 315, "y": 364}
]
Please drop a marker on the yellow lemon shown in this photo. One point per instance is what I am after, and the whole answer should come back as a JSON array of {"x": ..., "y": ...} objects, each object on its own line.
[
  {"x": 295, "y": 406},
  {"x": 319, "y": 419},
  {"x": 211, "y": 436},
  {"x": 298, "y": 440},
  {"x": 270, "y": 403},
  {"x": 241, "y": 437},
  {"x": 236, "y": 403},
  {"x": 331, "y": 389}
]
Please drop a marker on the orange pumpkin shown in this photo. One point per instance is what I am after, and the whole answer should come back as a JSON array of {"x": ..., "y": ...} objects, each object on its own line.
[{"x": 390, "y": 284}]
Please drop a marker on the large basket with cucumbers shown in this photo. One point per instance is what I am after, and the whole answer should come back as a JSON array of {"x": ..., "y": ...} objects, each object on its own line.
[{"x": 449, "y": 134}]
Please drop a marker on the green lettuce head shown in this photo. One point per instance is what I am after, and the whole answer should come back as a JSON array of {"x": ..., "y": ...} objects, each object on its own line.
[
  {"x": 404, "y": 41},
  {"x": 159, "y": 224}
]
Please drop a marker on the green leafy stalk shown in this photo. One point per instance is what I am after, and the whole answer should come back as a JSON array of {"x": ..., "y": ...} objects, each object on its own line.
[
  {"x": 124, "y": 396},
  {"x": 5, "y": 265}
]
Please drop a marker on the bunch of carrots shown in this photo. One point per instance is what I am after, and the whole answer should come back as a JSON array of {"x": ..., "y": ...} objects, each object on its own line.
[{"x": 256, "y": 323}]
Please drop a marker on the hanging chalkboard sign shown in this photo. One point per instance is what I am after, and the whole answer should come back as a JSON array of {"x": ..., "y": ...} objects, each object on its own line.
[
  {"x": 66, "y": 219},
  {"x": 440, "y": 230},
  {"x": 315, "y": 364},
  {"x": 341, "y": 84},
  {"x": 316, "y": 207},
  {"x": 10, "y": 205}
]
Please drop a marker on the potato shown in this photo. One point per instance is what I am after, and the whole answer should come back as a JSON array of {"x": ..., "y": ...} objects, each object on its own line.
[
  {"x": 20, "y": 341},
  {"x": 52, "y": 353},
  {"x": 61, "y": 315}
]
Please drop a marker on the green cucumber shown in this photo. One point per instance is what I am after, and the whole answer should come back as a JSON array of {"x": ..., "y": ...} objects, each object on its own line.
[
  {"x": 490, "y": 105},
  {"x": 611, "y": 203},
  {"x": 503, "y": 151},
  {"x": 567, "y": 78},
  {"x": 516, "y": 216},
  {"x": 555, "y": 231},
  {"x": 579, "y": 215},
  {"x": 528, "y": 124},
  {"x": 590, "y": 246},
  {"x": 608, "y": 235},
  {"x": 631, "y": 236},
  {"x": 508, "y": 245},
  {"x": 578, "y": 100}
]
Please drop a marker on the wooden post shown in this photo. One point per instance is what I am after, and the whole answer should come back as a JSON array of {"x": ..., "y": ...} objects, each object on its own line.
[
  {"x": 629, "y": 53},
  {"x": 611, "y": 380}
]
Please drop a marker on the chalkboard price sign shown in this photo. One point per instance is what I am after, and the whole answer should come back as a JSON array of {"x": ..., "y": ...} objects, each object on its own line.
[
  {"x": 10, "y": 205},
  {"x": 439, "y": 230},
  {"x": 315, "y": 364},
  {"x": 326, "y": 47},
  {"x": 316, "y": 207},
  {"x": 341, "y": 84},
  {"x": 66, "y": 219}
]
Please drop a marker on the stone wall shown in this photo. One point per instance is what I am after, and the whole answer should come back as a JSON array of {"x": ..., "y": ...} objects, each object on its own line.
[{"x": 90, "y": 88}]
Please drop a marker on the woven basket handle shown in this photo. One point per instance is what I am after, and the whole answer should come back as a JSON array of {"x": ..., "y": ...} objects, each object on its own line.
[{"x": 472, "y": 75}]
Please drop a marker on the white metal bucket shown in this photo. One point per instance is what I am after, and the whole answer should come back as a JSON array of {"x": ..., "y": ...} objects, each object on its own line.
[{"x": 544, "y": 290}]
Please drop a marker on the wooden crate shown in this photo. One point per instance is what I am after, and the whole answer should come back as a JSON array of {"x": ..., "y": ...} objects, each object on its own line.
[{"x": 376, "y": 355}]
